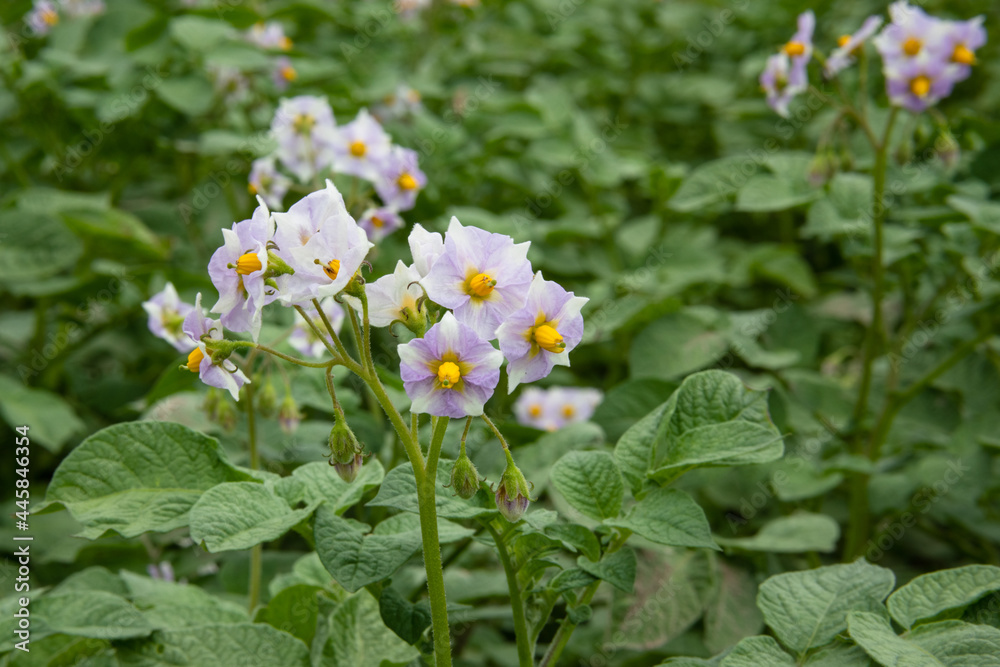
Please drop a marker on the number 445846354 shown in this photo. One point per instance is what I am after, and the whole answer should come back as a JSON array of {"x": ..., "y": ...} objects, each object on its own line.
[{"x": 22, "y": 460}]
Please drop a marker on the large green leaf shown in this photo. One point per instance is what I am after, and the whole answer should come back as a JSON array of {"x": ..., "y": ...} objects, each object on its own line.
[
  {"x": 617, "y": 568},
  {"x": 238, "y": 515},
  {"x": 35, "y": 246},
  {"x": 874, "y": 634},
  {"x": 590, "y": 482},
  {"x": 139, "y": 476},
  {"x": 808, "y": 609},
  {"x": 399, "y": 490},
  {"x": 709, "y": 184},
  {"x": 358, "y": 637},
  {"x": 931, "y": 594},
  {"x": 757, "y": 652},
  {"x": 318, "y": 481},
  {"x": 670, "y": 517},
  {"x": 958, "y": 644},
  {"x": 230, "y": 645},
  {"x": 171, "y": 606},
  {"x": 798, "y": 533},
  {"x": 731, "y": 614},
  {"x": 677, "y": 344},
  {"x": 51, "y": 419}
]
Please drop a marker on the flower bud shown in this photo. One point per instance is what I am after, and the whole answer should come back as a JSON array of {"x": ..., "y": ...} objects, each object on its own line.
[
  {"x": 822, "y": 168},
  {"x": 464, "y": 477},
  {"x": 211, "y": 402},
  {"x": 289, "y": 415},
  {"x": 344, "y": 446},
  {"x": 512, "y": 492},
  {"x": 225, "y": 414},
  {"x": 267, "y": 399},
  {"x": 348, "y": 471},
  {"x": 947, "y": 149}
]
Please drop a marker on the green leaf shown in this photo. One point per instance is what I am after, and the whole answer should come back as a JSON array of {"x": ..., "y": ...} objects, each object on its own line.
[
  {"x": 618, "y": 568},
  {"x": 570, "y": 579},
  {"x": 356, "y": 558},
  {"x": 710, "y": 183},
  {"x": 808, "y": 609},
  {"x": 238, "y": 515},
  {"x": 94, "y": 614},
  {"x": 931, "y": 594},
  {"x": 51, "y": 419},
  {"x": 873, "y": 633},
  {"x": 692, "y": 340},
  {"x": 170, "y": 606},
  {"x": 358, "y": 637},
  {"x": 958, "y": 644},
  {"x": 731, "y": 614},
  {"x": 798, "y": 533},
  {"x": 35, "y": 246},
  {"x": 295, "y": 610},
  {"x": 138, "y": 476},
  {"x": 191, "y": 95},
  {"x": 628, "y": 402},
  {"x": 407, "y": 619},
  {"x": 765, "y": 192},
  {"x": 756, "y": 652},
  {"x": 399, "y": 490},
  {"x": 635, "y": 449},
  {"x": 576, "y": 538},
  {"x": 590, "y": 482},
  {"x": 670, "y": 517},
  {"x": 838, "y": 654},
  {"x": 199, "y": 33},
  {"x": 114, "y": 231},
  {"x": 233, "y": 645},
  {"x": 317, "y": 481}
]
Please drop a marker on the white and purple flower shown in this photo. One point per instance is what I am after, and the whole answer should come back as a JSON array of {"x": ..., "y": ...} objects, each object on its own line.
[
  {"x": 541, "y": 334},
  {"x": 322, "y": 243},
  {"x": 42, "y": 17},
  {"x": 451, "y": 371},
  {"x": 166, "y": 317},
  {"x": 304, "y": 339},
  {"x": 283, "y": 73},
  {"x": 425, "y": 247},
  {"x": 224, "y": 375},
  {"x": 305, "y": 130},
  {"x": 379, "y": 222},
  {"x": 400, "y": 179},
  {"x": 785, "y": 75},
  {"x": 270, "y": 35},
  {"x": 361, "y": 147},
  {"x": 237, "y": 271},
  {"x": 268, "y": 182},
  {"x": 394, "y": 297},
  {"x": 482, "y": 277},
  {"x": 848, "y": 45},
  {"x": 552, "y": 409}
]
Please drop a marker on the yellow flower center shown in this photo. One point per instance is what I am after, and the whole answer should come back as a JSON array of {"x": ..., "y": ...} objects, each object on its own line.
[
  {"x": 795, "y": 48},
  {"x": 358, "y": 149},
  {"x": 535, "y": 410},
  {"x": 247, "y": 264},
  {"x": 288, "y": 73},
  {"x": 331, "y": 268},
  {"x": 480, "y": 285},
  {"x": 377, "y": 221},
  {"x": 195, "y": 359},
  {"x": 843, "y": 40},
  {"x": 407, "y": 182},
  {"x": 449, "y": 374},
  {"x": 920, "y": 86},
  {"x": 50, "y": 17},
  {"x": 911, "y": 46},
  {"x": 963, "y": 56},
  {"x": 549, "y": 339},
  {"x": 285, "y": 43},
  {"x": 251, "y": 188},
  {"x": 568, "y": 411},
  {"x": 303, "y": 123}
]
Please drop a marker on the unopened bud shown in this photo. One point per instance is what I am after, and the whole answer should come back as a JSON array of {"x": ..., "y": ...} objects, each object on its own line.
[
  {"x": 348, "y": 471},
  {"x": 822, "y": 168},
  {"x": 947, "y": 149},
  {"x": 267, "y": 399},
  {"x": 465, "y": 477},
  {"x": 512, "y": 493},
  {"x": 289, "y": 415},
  {"x": 344, "y": 446},
  {"x": 225, "y": 414}
]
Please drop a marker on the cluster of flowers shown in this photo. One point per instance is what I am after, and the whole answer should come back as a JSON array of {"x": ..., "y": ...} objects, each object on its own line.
[
  {"x": 461, "y": 292},
  {"x": 310, "y": 144},
  {"x": 556, "y": 407},
  {"x": 44, "y": 14},
  {"x": 923, "y": 57}
]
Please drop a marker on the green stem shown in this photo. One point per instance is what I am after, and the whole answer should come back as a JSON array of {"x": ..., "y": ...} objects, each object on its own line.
[
  {"x": 427, "y": 498},
  {"x": 524, "y": 652},
  {"x": 282, "y": 355},
  {"x": 253, "y": 592},
  {"x": 319, "y": 334},
  {"x": 333, "y": 334}
]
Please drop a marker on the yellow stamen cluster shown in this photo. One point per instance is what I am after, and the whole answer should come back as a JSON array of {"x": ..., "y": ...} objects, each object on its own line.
[
  {"x": 251, "y": 188},
  {"x": 535, "y": 410},
  {"x": 195, "y": 359},
  {"x": 480, "y": 285},
  {"x": 288, "y": 73},
  {"x": 407, "y": 182},
  {"x": 568, "y": 411},
  {"x": 912, "y": 46},
  {"x": 358, "y": 149},
  {"x": 963, "y": 56},
  {"x": 377, "y": 221},
  {"x": 285, "y": 43},
  {"x": 843, "y": 40},
  {"x": 50, "y": 17},
  {"x": 247, "y": 264},
  {"x": 331, "y": 268},
  {"x": 795, "y": 48},
  {"x": 449, "y": 374},
  {"x": 548, "y": 338},
  {"x": 920, "y": 86},
  {"x": 303, "y": 123}
]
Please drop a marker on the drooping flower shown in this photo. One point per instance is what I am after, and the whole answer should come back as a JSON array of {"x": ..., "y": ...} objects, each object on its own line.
[
  {"x": 304, "y": 339},
  {"x": 380, "y": 222},
  {"x": 554, "y": 408},
  {"x": 289, "y": 416},
  {"x": 320, "y": 240},
  {"x": 305, "y": 130},
  {"x": 400, "y": 179},
  {"x": 268, "y": 182},
  {"x": 425, "y": 247},
  {"x": 283, "y": 73},
  {"x": 166, "y": 317},
  {"x": 542, "y": 333},
  {"x": 394, "y": 297},
  {"x": 361, "y": 147},
  {"x": 225, "y": 374},
  {"x": 237, "y": 271},
  {"x": 42, "y": 17},
  {"x": 451, "y": 371},
  {"x": 270, "y": 35},
  {"x": 482, "y": 277},
  {"x": 512, "y": 494},
  {"x": 848, "y": 45},
  {"x": 786, "y": 75}
]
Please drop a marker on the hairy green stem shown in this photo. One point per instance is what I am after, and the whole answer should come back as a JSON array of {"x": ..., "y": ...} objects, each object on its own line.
[
  {"x": 427, "y": 499},
  {"x": 525, "y": 655},
  {"x": 256, "y": 551}
]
